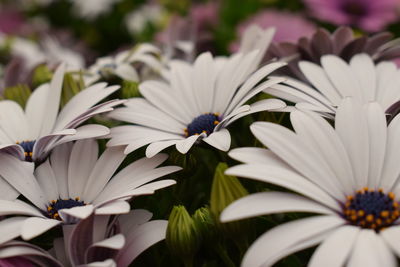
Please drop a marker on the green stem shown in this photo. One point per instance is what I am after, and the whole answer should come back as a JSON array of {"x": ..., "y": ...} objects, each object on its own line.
[{"x": 224, "y": 256}]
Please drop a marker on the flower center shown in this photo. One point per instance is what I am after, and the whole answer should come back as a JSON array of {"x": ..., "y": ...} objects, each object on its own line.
[
  {"x": 203, "y": 124},
  {"x": 59, "y": 204},
  {"x": 28, "y": 149},
  {"x": 372, "y": 209},
  {"x": 354, "y": 9}
]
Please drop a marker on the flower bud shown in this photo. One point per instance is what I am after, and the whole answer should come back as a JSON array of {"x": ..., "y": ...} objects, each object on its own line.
[
  {"x": 130, "y": 89},
  {"x": 19, "y": 93},
  {"x": 226, "y": 189},
  {"x": 182, "y": 238},
  {"x": 205, "y": 225}
]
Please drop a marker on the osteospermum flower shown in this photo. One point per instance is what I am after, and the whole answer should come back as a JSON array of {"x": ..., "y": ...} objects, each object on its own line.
[
  {"x": 117, "y": 243},
  {"x": 348, "y": 174},
  {"x": 336, "y": 79},
  {"x": 197, "y": 103},
  {"x": 129, "y": 65},
  {"x": 342, "y": 43},
  {"x": 366, "y": 14},
  {"x": 32, "y": 133},
  {"x": 74, "y": 182}
]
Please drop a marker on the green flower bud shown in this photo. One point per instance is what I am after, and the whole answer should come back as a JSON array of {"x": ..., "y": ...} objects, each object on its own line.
[
  {"x": 205, "y": 225},
  {"x": 19, "y": 93},
  {"x": 226, "y": 189},
  {"x": 186, "y": 161},
  {"x": 41, "y": 75},
  {"x": 130, "y": 89},
  {"x": 182, "y": 238},
  {"x": 71, "y": 87}
]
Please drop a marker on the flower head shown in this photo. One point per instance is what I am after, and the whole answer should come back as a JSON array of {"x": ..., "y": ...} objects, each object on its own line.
[
  {"x": 336, "y": 79},
  {"x": 368, "y": 15},
  {"x": 342, "y": 43},
  {"x": 73, "y": 183},
  {"x": 196, "y": 104},
  {"x": 32, "y": 133},
  {"x": 348, "y": 174}
]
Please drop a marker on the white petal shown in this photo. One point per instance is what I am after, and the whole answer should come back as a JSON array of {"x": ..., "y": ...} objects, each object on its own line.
[
  {"x": 391, "y": 168},
  {"x": 270, "y": 202},
  {"x": 18, "y": 207},
  {"x": 391, "y": 236},
  {"x": 127, "y": 72},
  {"x": 47, "y": 180},
  {"x": 86, "y": 131},
  {"x": 220, "y": 139},
  {"x": 33, "y": 227},
  {"x": 19, "y": 174},
  {"x": 270, "y": 247},
  {"x": 256, "y": 155},
  {"x": 59, "y": 161},
  {"x": 370, "y": 251},
  {"x": 80, "y": 212},
  {"x": 286, "y": 178},
  {"x": 316, "y": 75},
  {"x": 53, "y": 101},
  {"x": 183, "y": 146},
  {"x": 144, "y": 236},
  {"x": 335, "y": 250},
  {"x": 10, "y": 228},
  {"x": 352, "y": 127},
  {"x": 156, "y": 147},
  {"x": 13, "y": 121},
  {"x": 292, "y": 149},
  {"x": 114, "y": 207},
  {"x": 364, "y": 71},
  {"x": 102, "y": 172},
  {"x": 82, "y": 160}
]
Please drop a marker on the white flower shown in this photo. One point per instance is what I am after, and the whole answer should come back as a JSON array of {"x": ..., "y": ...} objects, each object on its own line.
[
  {"x": 134, "y": 234},
  {"x": 33, "y": 133},
  {"x": 91, "y": 9},
  {"x": 123, "y": 64},
  {"x": 137, "y": 20},
  {"x": 336, "y": 79},
  {"x": 198, "y": 103},
  {"x": 349, "y": 175},
  {"x": 73, "y": 183}
]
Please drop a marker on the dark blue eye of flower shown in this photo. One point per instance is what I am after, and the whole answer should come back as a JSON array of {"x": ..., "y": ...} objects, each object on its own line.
[
  {"x": 372, "y": 209},
  {"x": 28, "y": 149},
  {"x": 56, "y": 205},
  {"x": 203, "y": 124}
]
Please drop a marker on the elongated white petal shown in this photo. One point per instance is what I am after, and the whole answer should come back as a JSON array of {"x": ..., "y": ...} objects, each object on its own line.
[
  {"x": 145, "y": 236},
  {"x": 256, "y": 155},
  {"x": 335, "y": 250},
  {"x": 220, "y": 139},
  {"x": 10, "y": 228},
  {"x": 35, "y": 226},
  {"x": 270, "y": 202},
  {"x": 114, "y": 207},
  {"x": 264, "y": 250}
]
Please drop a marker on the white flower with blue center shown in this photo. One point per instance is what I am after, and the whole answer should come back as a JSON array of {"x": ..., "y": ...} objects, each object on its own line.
[
  {"x": 74, "y": 183},
  {"x": 196, "y": 104},
  {"x": 348, "y": 175},
  {"x": 336, "y": 79},
  {"x": 32, "y": 133}
]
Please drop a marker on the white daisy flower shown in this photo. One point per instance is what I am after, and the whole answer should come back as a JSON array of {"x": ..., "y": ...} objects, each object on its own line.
[
  {"x": 118, "y": 242},
  {"x": 198, "y": 103},
  {"x": 349, "y": 175},
  {"x": 124, "y": 63},
  {"x": 74, "y": 182},
  {"x": 337, "y": 79},
  {"x": 32, "y": 133}
]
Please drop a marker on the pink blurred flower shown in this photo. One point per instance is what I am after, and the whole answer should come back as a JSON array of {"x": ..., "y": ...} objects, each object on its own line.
[
  {"x": 289, "y": 26},
  {"x": 369, "y": 15},
  {"x": 11, "y": 20}
]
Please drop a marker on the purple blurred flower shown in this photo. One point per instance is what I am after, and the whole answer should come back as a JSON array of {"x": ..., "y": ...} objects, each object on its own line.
[
  {"x": 368, "y": 15},
  {"x": 289, "y": 26},
  {"x": 11, "y": 20},
  {"x": 193, "y": 33}
]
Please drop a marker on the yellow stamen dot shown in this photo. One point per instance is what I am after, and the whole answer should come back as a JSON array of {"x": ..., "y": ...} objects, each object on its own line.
[
  {"x": 360, "y": 213},
  {"x": 384, "y": 213},
  {"x": 391, "y": 195},
  {"x": 216, "y": 122},
  {"x": 369, "y": 218}
]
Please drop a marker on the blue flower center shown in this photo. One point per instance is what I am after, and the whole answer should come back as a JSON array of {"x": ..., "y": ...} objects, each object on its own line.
[
  {"x": 56, "y": 205},
  {"x": 203, "y": 124},
  {"x": 372, "y": 209},
  {"x": 28, "y": 149}
]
